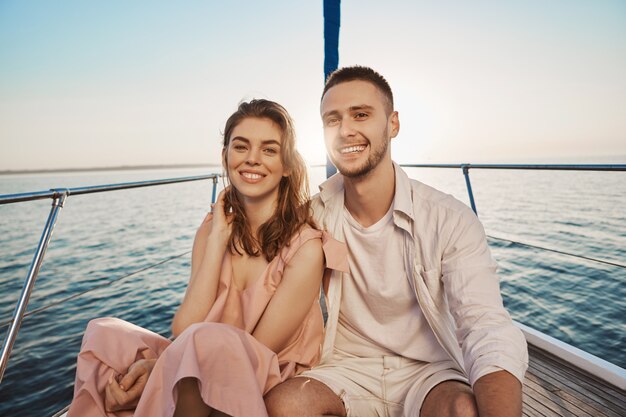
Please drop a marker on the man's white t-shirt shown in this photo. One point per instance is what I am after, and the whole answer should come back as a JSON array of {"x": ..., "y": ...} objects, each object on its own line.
[{"x": 379, "y": 314}]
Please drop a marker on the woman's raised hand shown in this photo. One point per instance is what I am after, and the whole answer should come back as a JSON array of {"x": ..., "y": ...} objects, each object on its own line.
[
  {"x": 221, "y": 222},
  {"x": 209, "y": 247}
]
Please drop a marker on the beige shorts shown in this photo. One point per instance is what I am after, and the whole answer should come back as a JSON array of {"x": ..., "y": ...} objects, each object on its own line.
[{"x": 390, "y": 386}]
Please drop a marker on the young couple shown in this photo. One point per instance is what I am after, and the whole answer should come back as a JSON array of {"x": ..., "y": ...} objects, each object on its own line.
[{"x": 416, "y": 325}]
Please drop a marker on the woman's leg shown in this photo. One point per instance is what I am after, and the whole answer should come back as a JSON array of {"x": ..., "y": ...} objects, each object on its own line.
[{"x": 189, "y": 403}]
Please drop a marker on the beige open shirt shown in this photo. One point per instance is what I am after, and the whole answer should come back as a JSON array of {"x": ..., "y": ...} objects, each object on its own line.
[{"x": 451, "y": 272}]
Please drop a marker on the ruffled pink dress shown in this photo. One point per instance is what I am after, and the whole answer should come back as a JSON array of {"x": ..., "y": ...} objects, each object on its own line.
[{"x": 234, "y": 370}]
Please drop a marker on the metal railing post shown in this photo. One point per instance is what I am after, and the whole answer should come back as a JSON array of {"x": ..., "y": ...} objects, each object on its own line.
[
  {"x": 29, "y": 283},
  {"x": 468, "y": 183},
  {"x": 213, "y": 197}
]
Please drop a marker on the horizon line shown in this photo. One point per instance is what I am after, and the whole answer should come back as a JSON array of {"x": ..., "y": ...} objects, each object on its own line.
[{"x": 109, "y": 168}]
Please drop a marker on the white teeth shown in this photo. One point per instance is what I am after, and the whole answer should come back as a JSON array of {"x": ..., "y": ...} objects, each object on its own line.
[
  {"x": 351, "y": 149},
  {"x": 251, "y": 176}
]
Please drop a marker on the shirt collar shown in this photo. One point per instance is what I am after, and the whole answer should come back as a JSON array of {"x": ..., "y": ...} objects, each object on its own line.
[
  {"x": 402, "y": 199},
  {"x": 331, "y": 187}
]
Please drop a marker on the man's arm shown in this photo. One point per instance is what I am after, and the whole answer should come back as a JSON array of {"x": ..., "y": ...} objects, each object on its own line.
[
  {"x": 487, "y": 336},
  {"x": 498, "y": 394}
]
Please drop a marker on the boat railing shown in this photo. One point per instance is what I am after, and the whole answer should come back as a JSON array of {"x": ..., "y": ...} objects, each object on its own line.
[
  {"x": 59, "y": 197},
  {"x": 465, "y": 168},
  {"x": 543, "y": 167},
  {"x": 591, "y": 363}
]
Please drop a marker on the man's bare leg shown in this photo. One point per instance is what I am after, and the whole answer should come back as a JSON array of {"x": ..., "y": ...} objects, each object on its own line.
[
  {"x": 304, "y": 397},
  {"x": 449, "y": 399}
]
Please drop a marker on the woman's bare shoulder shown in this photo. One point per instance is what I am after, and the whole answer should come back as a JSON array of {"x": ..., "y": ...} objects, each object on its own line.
[{"x": 309, "y": 253}]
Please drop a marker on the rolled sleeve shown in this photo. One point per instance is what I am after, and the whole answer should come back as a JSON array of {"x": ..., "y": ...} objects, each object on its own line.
[{"x": 487, "y": 336}]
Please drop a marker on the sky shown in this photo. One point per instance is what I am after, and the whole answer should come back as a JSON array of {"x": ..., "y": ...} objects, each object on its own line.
[{"x": 111, "y": 83}]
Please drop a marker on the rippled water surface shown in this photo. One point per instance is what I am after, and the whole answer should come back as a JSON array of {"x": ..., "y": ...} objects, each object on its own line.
[{"x": 101, "y": 237}]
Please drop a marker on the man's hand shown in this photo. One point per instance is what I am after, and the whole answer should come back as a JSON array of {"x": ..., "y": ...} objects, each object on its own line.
[{"x": 124, "y": 395}]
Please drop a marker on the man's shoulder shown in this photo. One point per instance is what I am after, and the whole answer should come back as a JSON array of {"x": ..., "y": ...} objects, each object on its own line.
[
  {"x": 331, "y": 192},
  {"x": 317, "y": 205},
  {"x": 316, "y": 201},
  {"x": 425, "y": 196}
]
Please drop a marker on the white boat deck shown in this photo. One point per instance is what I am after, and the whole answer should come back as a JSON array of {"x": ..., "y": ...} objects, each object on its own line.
[{"x": 554, "y": 387}]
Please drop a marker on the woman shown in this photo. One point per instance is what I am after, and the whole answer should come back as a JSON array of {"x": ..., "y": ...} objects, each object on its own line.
[{"x": 250, "y": 317}]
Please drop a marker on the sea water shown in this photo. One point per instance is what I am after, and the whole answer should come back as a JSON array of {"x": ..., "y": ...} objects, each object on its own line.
[{"x": 142, "y": 238}]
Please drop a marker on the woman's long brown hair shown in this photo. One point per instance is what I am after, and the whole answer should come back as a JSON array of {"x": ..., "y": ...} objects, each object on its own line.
[{"x": 293, "y": 206}]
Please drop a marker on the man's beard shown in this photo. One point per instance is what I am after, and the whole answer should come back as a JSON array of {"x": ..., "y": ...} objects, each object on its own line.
[{"x": 375, "y": 157}]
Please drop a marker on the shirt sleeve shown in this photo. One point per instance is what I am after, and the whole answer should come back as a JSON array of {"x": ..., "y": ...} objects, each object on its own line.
[{"x": 487, "y": 336}]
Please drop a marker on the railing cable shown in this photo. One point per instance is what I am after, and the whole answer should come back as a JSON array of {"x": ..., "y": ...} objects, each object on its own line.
[
  {"x": 97, "y": 287},
  {"x": 602, "y": 261}
]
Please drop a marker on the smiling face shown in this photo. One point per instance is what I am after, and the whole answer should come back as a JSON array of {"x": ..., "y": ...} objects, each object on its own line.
[
  {"x": 357, "y": 127},
  {"x": 254, "y": 159}
]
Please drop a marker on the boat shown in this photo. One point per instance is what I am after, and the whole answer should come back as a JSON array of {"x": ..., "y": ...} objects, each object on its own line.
[{"x": 562, "y": 380}]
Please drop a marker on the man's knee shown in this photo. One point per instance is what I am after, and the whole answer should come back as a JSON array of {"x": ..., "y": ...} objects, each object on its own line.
[
  {"x": 302, "y": 397},
  {"x": 450, "y": 399},
  {"x": 279, "y": 400},
  {"x": 463, "y": 404}
]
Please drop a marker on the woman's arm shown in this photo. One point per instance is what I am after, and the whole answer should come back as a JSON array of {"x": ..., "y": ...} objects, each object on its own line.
[
  {"x": 294, "y": 296},
  {"x": 208, "y": 251}
]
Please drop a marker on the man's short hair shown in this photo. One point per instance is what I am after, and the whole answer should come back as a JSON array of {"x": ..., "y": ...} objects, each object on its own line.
[{"x": 360, "y": 73}]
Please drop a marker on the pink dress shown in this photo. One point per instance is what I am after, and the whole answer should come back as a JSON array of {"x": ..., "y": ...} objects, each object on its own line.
[{"x": 234, "y": 370}]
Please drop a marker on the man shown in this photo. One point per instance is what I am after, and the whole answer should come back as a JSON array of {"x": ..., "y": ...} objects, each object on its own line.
[{"x": 417, "y": 328}]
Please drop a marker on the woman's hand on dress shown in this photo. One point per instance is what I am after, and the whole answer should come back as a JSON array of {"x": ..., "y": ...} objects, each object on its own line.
[{"x": 125, "y": 394}]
